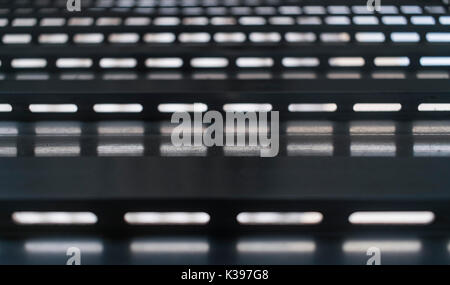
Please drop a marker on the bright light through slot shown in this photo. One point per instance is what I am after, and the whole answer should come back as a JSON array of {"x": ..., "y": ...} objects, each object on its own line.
[
  {"x": 391, "y": 218},
  {"x": 54, "y": 218},
  {"x": 118, "y": 108},
  {"x": 247, "y": 107},
  {"x": 374, "y": 107},
  {"x": 167, "y": 218},
  {"x": 172, "y": 108},
  {"x": 434, "y": 107},
  {"x": 279, "y": 218},
  {"x": 271, "y": 246},
  {"x": 53, "y": 108},
  {"x": 331, "y": 107}
]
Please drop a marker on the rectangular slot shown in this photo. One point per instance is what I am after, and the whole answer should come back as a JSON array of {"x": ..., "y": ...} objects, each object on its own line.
[
  {"x": 118, "y": 108},
  {"x": 29, "y": 63},
  {"x": 392, "y": 61},
  {"x": 377, "y": 107},
  {"x": 117, "y": 149},
  {"x": 50, "y": 246},
  {"x": 275, "y": 246},
  {"x": 54, "y": 218},
  {"x": 326, "y": 107},
  {"x": 53, "y": 108},
  {"x": 247, "y": 107},
  {"x": 434, "y": 107},
  {"x": 209, "y": 62},
  {"x": 164, "y": 62},
  {"x": 391, "y": 218},
  {"x": 167, "y": 218},
  {"x": 174, "y": 247},
  {"x": 16, "y": 38},
  {"x": 346, "y": 61},
  {"x": 279, "y": 218},
  {"x": 388, "y": 246},
  {"x": 172, "y": 108},
  {"x": 74, "y": 63},
  {"x": 435, "y": 61},
  {"x": 246, "y": 62},
  {"x": 5, "y": 108},
  {"x": 118, "y": 63},
  {"x": 300, "y": 62}
]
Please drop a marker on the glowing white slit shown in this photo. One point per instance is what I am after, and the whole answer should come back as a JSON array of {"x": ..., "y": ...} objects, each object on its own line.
[
  {"x": 433, "y": 107},
  {"x": 167, "y": 218},
  {"x": 94, "y": 38},
  {"x": 327, "y": 107},
  {"x": 16, "y": 38},
  {"x": 29, "y": 63},
  {"x": 112, "y": 149},
  {"x": 5, "y": 108},
  {"x": 276, "y": 246},
  {"x": 392, "y": 218},
  {"x": 124, "y": 38},
  {"x": 164, "y": 62},
  {"x": 391, "y": 61},
  {"x": 53, "y": 108},
  {"x": 118, "y": 108},
  {"x": 391, "y": 246},
  {"x": 346, "y": 61},
  {"x": 54, "y": 218},
  {"x": 402, "y": 37},
  {"x": 57, "y": 150},
  {"x": 53, "y": 38},
  {"x": 279, "y": 218},
  {"x": 300, "y": 61},
  {"x": 435, "y": 61},
  {"x": 377, "y": 107},
  {"x": 118, "y": 63},
  {"x": 172, "y": 108},
  {"x": 74, "y": 63},
  {"x": 438, "y": 37},
  {"x": 209, "y": 62},
  {"x": 60, "y": 247},
  {"x": 175, "y": 247},
  {"x": 254, "y": 62},
  {"x": 243, "y": 107}
]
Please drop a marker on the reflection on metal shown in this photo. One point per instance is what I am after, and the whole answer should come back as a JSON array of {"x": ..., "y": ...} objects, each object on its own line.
[
  {"x": 169, "y": 247},
  {"x": 388, "y": 246},
  {"x": 50, "y": 246},
  {"x": 242, "y": 150},
  {"x": 120, "y": 128},
  {"x": 309, "y": 127},
  {"x": 431, "y": 148},
  {"x": 310, "y": 149},
  {"x": 431, "y": 127},
  {"x": 57, "y": 150},
  {"x": 373, "y": 148},
  {"x": 113, "y": 149},
  {"x": 276, "y": 246},
  {"x": 372, "y": 127},
  {"x": 171, "y": 150}
]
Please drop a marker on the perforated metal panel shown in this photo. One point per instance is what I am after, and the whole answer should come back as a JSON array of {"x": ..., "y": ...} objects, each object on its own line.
[
  {"x": 322, "y": 64},
  {"x": 217, "y": 52}
]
